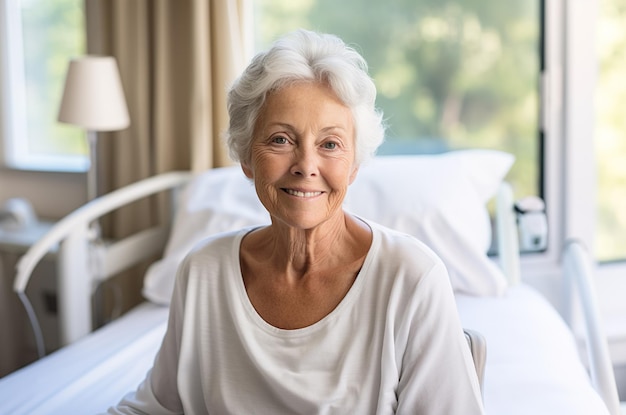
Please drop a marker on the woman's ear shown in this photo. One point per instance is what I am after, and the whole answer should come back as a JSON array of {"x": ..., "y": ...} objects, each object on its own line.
[
  {"x": 247, "y": 170},
  {"x": 353, "y": 174}
]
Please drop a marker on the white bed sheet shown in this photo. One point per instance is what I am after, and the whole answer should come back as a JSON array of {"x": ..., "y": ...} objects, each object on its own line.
[
  {"x": 532, "y": 362},
  {"x": 92, "y": 374},
  {"x": 533, "y": 365}
]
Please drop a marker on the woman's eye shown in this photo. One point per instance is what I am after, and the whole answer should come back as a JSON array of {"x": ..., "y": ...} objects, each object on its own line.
[
  {"x": 330, "y": 145},
  {"x": 279, "y": 140}
]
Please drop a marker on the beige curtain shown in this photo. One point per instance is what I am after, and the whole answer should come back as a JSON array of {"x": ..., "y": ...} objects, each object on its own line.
[{"x": 176, "y": 60}]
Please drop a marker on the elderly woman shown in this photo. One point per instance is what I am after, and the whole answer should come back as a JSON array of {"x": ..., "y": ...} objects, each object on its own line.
[{"x": 320, "y": 312}]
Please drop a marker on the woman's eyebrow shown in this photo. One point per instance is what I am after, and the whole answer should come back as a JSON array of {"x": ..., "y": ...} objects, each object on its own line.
[
  {"x": 334, "y": 127},
  {"x": 287, "y": 126},
  {"x": 280, "y": 124}
]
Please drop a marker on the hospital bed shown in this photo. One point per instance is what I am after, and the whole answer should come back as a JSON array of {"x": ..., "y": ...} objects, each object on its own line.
[{"x": 533, "y": 364}]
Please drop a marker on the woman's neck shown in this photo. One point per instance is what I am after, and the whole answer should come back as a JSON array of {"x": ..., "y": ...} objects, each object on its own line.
[{"x": 298, "y": 252}]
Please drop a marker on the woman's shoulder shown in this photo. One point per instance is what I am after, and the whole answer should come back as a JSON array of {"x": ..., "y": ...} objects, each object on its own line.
[
  {"x": 404, "y": 268},
  {"x": 217, "y": 254},
  {"x": 403, "y": 258}
]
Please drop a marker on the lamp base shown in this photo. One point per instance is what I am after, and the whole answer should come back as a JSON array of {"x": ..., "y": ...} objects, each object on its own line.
[{"x": 92, "y": 173}]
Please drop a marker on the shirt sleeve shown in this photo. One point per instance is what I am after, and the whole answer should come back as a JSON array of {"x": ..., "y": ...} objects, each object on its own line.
[
  {"x": 158, "y": 393},
  {"x": 438, "y": 374}
]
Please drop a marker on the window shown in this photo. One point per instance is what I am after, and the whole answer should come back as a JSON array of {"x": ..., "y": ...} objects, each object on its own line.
[
  {"x": 38, "y": 39},
  {"x": 449, "y": 74},
  {"x": 610, "y": 132}
]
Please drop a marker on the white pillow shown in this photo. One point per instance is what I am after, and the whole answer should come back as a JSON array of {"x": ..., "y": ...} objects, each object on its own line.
[{"x": 440, "y": 199}]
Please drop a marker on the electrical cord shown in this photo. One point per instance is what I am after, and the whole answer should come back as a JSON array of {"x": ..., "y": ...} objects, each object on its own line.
[{"x": 34, "y": 322}]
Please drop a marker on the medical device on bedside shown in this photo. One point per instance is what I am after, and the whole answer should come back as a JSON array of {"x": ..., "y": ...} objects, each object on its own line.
[{"x": 532, "y": 224}]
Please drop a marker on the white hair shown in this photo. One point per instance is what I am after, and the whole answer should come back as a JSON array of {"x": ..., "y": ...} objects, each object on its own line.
[{"x": 305, "y": 56}]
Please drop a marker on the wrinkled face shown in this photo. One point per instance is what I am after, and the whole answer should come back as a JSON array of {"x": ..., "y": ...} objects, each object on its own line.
[{"x": 302, "y": 157}]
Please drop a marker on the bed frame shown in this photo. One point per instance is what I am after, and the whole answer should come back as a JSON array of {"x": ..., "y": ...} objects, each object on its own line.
[{"x": 82, "y": 264}]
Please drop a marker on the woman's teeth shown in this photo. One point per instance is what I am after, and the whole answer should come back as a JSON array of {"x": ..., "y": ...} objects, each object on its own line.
[{"x": 298, "y": 193}]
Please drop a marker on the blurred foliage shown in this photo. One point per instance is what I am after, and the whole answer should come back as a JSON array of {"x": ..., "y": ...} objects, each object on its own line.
[
  {"x": 449, "y": 74},
  {"x": 53, "y": 33}
]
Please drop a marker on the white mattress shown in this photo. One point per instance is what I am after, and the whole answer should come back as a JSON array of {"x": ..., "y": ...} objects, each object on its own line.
[
  {"x": 533, "y": 365},
  {"x": 532, "y": 362}
]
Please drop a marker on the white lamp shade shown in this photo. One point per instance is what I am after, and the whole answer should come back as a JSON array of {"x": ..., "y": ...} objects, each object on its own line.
[{"x": 93, "y": 97}]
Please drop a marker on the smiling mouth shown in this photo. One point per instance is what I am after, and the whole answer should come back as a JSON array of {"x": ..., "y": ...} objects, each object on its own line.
[{"x": 298, "y": 193}]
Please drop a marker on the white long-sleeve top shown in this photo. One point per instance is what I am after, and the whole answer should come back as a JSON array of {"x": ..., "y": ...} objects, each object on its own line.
[{"x": 393, "y": 345}]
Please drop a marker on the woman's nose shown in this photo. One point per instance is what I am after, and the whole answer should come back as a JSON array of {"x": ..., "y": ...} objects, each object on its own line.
[{"x": 305, "y": 163}]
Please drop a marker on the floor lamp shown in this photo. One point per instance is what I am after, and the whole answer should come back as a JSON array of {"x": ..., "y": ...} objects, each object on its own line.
[{"x": 93, "y": 98}]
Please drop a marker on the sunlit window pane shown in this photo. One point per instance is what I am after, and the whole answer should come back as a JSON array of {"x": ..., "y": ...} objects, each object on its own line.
[
  {"x": 45, "y": 36},
  {"x": 610, "y": 134}
]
